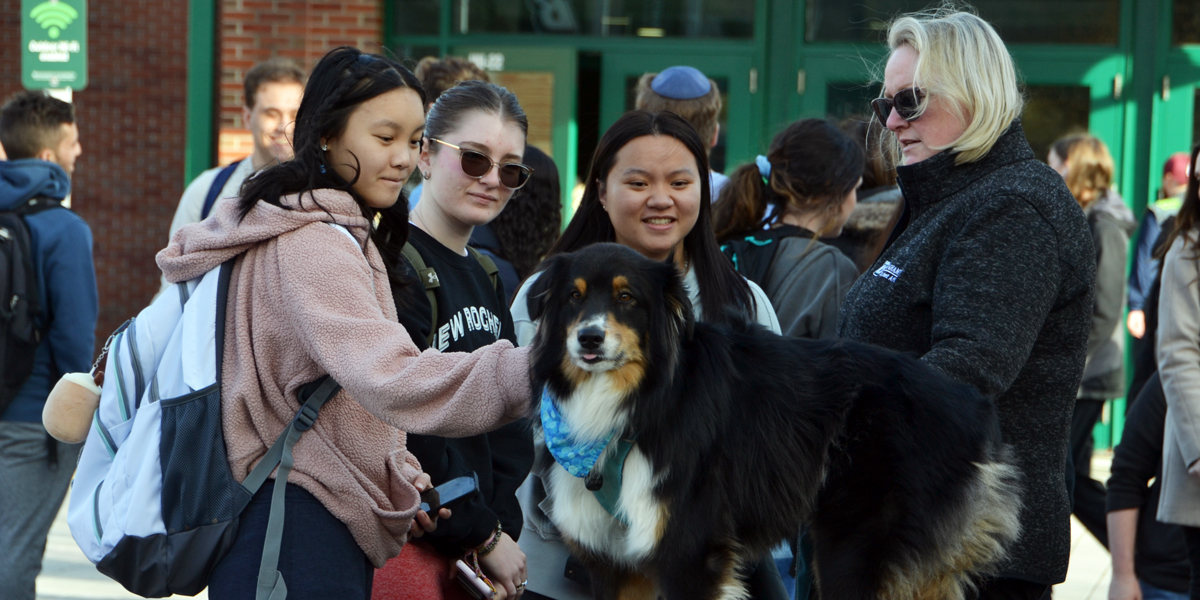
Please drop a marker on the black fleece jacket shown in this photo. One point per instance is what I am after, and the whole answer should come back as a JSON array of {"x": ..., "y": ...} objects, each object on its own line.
[{"x": 988, "y": 277}]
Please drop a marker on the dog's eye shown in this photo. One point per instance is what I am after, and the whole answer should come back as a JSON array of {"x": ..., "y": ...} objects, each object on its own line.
[
  {"x": 575, "y": 295},
  {"x": 625, "y": 297}
]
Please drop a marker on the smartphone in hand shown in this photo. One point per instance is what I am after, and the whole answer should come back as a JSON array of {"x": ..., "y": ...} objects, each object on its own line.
[{"x": 450, "y": 492}]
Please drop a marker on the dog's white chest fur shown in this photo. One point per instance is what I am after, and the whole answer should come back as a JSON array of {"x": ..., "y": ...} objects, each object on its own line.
[{"x": 591, "y": 412}]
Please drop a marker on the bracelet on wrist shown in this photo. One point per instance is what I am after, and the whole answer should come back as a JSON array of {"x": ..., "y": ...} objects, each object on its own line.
[{"x": 491, "y": 545}]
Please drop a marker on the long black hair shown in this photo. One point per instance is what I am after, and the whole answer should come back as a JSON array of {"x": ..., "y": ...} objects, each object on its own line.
[
  {"x": 342, "y": 80},
  {"x": 721, "y": 288}
]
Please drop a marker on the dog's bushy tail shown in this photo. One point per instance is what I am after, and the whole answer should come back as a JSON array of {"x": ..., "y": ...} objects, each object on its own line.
[{"x": 973, "y": 541}]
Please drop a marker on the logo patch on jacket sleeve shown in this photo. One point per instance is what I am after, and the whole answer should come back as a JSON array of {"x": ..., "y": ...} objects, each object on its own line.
[{"x": 888, "y": 271}]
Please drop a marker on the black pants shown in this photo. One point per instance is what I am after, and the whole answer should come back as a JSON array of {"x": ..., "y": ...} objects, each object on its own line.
[
  {"x": 1089, "y": 500},
  {"x": 1192, "y": 536},
  {"x": 318, "y": 558}
]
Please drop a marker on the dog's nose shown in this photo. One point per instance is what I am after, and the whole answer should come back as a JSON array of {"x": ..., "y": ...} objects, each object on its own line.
[{"x": 591, "y": 338}]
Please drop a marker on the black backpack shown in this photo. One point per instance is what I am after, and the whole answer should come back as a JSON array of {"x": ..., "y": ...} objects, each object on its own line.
[
  {"x": 753, "y": 254},
  {"x": 20, "y": 306}
]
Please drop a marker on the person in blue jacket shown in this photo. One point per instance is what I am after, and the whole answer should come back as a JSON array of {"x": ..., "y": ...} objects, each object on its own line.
[{"x": 42, "y": 142}]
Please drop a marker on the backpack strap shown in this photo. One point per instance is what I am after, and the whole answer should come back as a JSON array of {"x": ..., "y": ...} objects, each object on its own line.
[
  {"x": 270, "y": 580},
  {"x": 430, "y": 279},
  {"x": 36, "y": 205},
  {"x": 218, "y": 184}
]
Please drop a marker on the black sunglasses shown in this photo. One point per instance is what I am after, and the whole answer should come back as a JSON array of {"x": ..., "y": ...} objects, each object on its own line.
[
  {"x": 477, "y": 164},
  {"x": 906, "y": 102}
]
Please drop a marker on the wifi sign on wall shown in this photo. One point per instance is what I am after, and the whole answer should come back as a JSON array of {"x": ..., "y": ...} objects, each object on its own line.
[{"x": 54, "y": 44}]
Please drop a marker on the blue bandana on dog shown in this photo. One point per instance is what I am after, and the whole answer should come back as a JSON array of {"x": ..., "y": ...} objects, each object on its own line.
[{"x": 577, "y": 458}]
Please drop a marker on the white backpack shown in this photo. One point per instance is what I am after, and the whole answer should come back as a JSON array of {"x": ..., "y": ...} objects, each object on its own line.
[{"x": 154, "y": 504}]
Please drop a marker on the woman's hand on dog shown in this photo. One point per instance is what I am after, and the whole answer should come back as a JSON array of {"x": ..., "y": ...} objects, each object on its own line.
[
  {"x": 423, "y": 523},
  {"x": 505, "y": 566}
]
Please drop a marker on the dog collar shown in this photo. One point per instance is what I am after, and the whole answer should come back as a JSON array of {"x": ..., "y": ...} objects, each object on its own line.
[{"x": 576, "y": 457}]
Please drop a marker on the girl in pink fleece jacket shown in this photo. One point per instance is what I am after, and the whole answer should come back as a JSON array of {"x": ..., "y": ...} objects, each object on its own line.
[{"x": 320, "y": 240}]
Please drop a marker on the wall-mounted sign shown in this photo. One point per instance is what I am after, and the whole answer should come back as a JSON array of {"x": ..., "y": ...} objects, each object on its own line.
[
  {"x": 488, "y": 61},
  {"x": 54, "y": 44}
]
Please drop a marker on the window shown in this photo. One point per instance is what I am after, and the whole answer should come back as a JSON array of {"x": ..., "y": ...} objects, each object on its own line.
[
  {"x": 615, "y": 18},
  {"x": 1185, "y": 24},
  {"x": 1017, "y": 21},
  {"x": 416, "y": 17},
  {"x": 1052, "y": 111}
]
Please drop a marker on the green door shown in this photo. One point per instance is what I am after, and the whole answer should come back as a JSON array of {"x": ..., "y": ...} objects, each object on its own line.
[
  {"x": 1176, "y": 111},
  {"x": 736, "y": 77},
  {"x": 544, "y": 80}
]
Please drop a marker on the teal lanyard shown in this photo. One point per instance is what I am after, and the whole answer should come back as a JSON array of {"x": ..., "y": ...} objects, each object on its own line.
[{"x": 610, "y": 492}]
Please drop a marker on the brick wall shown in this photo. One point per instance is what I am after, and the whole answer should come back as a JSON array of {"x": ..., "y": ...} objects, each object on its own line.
[
  {"x": 302, "y": 30},
  {"x": 132, "y": 124}
]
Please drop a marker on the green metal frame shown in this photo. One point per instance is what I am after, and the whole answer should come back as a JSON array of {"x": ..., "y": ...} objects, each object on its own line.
[{"x": 200, "y": 150}]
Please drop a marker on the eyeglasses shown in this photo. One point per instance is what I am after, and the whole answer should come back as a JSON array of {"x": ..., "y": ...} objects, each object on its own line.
[
  {"x": 906, "y": 102},
  {"x": 477, "y": 164}
]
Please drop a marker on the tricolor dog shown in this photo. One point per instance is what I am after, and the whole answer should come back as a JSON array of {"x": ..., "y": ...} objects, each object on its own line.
[{"x": 685, "y": 451}]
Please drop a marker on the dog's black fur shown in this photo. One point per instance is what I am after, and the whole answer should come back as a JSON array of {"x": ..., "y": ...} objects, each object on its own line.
[{"x": 899, "y": 470}]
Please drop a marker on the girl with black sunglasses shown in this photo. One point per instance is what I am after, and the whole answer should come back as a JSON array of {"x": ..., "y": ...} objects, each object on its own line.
[{"x": 471, "y": 165}]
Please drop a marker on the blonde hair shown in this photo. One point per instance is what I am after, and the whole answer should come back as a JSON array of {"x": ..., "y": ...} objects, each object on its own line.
[
  {"x": 961, "y": 59},
  {"x": 1089, "y": 166}
]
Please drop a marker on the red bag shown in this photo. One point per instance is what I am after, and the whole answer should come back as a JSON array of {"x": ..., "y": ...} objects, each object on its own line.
[{"x": 419, "y": 573}]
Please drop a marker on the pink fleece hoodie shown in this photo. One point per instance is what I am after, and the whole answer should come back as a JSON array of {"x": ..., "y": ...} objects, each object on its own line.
[{"x": 305, "y": 301}]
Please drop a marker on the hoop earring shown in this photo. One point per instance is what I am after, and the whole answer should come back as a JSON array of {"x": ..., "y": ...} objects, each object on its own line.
[{"x": 324, "y": 148}]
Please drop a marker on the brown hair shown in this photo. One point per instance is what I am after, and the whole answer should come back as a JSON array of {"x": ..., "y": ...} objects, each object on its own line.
[
  {"x": 1089, "y": 166},
  {"x": 440, "y": 74},
  {"x": 877, "y": 168},
  {"x": 31, "y": 122},
  {"x": 276, "y": 70},
  {"x": 813, "y": 167},
  {"x": 701, "y": 112}
]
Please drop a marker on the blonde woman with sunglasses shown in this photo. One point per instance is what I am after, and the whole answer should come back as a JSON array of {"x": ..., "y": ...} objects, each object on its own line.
[
  {"x": 471, "y": 164},
  {"x": 988, "y": 275}
]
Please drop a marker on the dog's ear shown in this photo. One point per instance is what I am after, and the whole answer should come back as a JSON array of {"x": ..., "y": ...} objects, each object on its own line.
[
  {"x": 679, "y": 304},
  {"x": 549, "y": 275}
]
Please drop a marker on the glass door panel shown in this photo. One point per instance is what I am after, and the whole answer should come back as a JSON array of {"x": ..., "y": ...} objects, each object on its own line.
[{"x": 1052, "y": 111}]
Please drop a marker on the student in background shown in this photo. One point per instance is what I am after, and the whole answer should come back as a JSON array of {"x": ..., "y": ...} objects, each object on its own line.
[
  {"x": 272, "y": 93},
  {"x": 810, "y": 175},
  {"x": 1145, "y": 267},
  {"x": 42, "y": 140},
  {"x": 1087, "y": 168}
]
